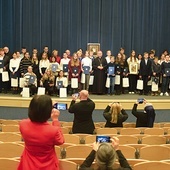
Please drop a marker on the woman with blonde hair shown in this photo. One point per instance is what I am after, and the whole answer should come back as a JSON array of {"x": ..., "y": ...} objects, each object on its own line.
[
  {"x": 115, "y": 115},
  {"x": 47, "y": 81},
  {"x": 44, "y": 63}
]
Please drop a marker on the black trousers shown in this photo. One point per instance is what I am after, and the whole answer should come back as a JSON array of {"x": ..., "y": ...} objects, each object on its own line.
[
  {"x": 132, "y": 82},
  {"x": 145, "y": 84}
]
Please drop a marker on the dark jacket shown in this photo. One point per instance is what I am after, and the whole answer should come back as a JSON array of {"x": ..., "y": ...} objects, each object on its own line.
[
  {"x": 6, "y": 60},
  {"x": 89, "y": 160},
  {"x": 145, "y": 70},
  {"x": 142, "y": 118},
  {"x": 164, "y": 66},
  {"x": 83, "y": 122},
  {"x": 121, "y": 118}
]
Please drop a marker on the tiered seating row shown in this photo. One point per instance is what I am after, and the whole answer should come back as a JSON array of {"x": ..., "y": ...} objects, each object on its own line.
[{"x": 139, "y": 145}]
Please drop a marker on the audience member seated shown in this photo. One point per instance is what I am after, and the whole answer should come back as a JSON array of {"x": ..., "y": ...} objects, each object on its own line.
[
  {"x": 30, "y": 80},
  {"x": 83, "y": 122},
  {"x": 115, "y": 115},
  {"x": 39, "y": 136},
  {"x": 145, "y": 118},
  {"x": 47, "y": 81},
  {"x": 106, "y": 155}
]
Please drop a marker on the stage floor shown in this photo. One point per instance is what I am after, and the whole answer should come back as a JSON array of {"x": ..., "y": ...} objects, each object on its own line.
[{"x": 101, "y": 101}]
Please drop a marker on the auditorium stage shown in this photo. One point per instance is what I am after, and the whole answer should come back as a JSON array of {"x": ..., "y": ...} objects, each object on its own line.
[{"x": 101, "y": 101}]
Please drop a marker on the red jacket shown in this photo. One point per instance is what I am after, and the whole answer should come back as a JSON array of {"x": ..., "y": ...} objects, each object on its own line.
[
  {"x": 40, "y": 139},
  {"x": 71, "y": 68}
]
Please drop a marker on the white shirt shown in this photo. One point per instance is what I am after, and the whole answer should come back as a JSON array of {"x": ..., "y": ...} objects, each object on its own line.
[
  {"x": 64, "y": 61},
  {"x": 86, "y": 61},
  {"x": 64, "y": 80},
  {"x": 133, "y": 62},
  {"x": 14, "y": 63},
  {"x": 43, "y": 64},
  {"x": 108, "y": 59}
]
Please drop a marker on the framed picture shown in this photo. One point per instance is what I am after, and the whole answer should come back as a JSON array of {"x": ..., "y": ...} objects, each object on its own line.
[
  {"x": 95, "y": 47},
  {"x": 133, "y": 68}
]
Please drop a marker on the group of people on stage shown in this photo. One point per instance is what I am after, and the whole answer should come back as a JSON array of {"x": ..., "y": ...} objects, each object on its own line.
[{"x": 98, "y": 74}]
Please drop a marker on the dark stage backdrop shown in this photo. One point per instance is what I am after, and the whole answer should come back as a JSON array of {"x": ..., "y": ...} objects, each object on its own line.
[{"x": 71, "y": 24}]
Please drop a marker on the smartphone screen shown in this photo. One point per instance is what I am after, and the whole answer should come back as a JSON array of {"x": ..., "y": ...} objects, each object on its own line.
[
  {"x": 140, "y": 101},
  {"x": 60, "y": 106},
  {"x": 76, "y": 94},
  {"x": 102, "y": 139}
]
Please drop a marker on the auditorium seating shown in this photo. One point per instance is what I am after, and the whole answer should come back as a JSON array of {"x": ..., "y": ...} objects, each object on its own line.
[
  {"x": 128, "y": 151},
  {"x": 11, "y": 149},
  {"x": 156, "y": 125},
  {"x": 147, "y": 144},
  {"x": 58, "y": 151},
  {"x": 90, "y": 139},
  {"x": 8, "y": 164},
  {"x": 10, "y": 128},
  {"x": 129, "y": 131},
  {"x": 102, "y": 131},
  {"x": 126, "y": 139},
  {"x": 78, "y": 151},
  {"x": 65, "y": 130},
  {"x": 67, "y": 124},
  {"x": 67, "y": 165},
  {"x": 152, "y": 165},
  {"x": 10, "y": 137},
  {"x": 9, "y": 122},
  {"x": 72, "y": 138},
  {"x": 166, "y": 125},
  {"x": 154, "y": 131},
  {"x": 155, "y": 153},
  {"x": 154, "y": 140},
  {"x": 78, "y": 161},
  {"x": 129, "y": 125},
  {"x": 132, "y": 162}
]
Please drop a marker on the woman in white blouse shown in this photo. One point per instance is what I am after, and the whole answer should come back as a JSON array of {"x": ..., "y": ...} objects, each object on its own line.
[
  {"x": 64, "y": 61},
  {"x": 44, "y": 64},
  {"x": 14, "y": 72},
  {"x": 133, "y": 64},
  {"x": 63, "y": 79}
]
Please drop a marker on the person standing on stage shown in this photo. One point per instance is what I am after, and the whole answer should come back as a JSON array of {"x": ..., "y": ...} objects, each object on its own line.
[
  {"x": 4, "y": 66},
  {"x": 99, "y": 66},
  {"x": 165, "y": 76},
  {"x": 86, "y": 65},
  {"x": 145, "y": 72}
]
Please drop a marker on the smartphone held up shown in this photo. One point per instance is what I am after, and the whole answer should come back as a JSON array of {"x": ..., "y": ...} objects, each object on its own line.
[{"x": 60, "y": 106}]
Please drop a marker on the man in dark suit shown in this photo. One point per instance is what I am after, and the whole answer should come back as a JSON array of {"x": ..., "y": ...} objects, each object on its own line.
[
  {"x": 83, "y": 122},
  {"x": 4, "y": 59},
  {"x": 145, "y": 118},
  {"x": 145, "y": 72}
]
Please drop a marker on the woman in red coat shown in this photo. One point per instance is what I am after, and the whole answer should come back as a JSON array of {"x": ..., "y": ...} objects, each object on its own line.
[{"x": 39, "y": 136}]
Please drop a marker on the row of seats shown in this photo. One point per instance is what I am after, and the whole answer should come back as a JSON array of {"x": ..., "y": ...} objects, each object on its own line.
[
  {"x": 7, "y": 163},
  {"x": 97, "y": 124},
  {"x": 122, "y": 131},
  {"x": 89, "y": 139},
  {"x": 147, "y": 152}
]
